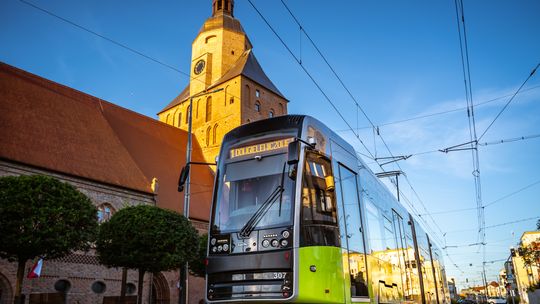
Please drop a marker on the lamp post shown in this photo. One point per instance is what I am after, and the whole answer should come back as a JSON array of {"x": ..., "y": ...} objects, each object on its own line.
[{"x": 185, "y": 277}]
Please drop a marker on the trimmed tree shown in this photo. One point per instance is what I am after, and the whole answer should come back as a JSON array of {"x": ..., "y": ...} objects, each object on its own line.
[
  {"x": 41, "y": 216},
  {"x": 197, "y": 266},
  {"x": 148, "y": 239}
]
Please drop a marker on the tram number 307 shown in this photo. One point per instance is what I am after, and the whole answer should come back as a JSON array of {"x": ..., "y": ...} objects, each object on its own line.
[{"x": 279, "y": 275}]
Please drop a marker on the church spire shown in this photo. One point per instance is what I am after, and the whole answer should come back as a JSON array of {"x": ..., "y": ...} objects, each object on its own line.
[{"x": 222, "y": 7}]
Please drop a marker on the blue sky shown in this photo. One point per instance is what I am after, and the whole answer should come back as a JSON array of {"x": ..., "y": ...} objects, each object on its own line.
[{"x": 400, "y": 59}]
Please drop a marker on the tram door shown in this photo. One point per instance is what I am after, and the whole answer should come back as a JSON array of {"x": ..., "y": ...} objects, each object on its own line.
[
  {"x": 403, "y": 254},
  {"x": 353, "y": 237}
]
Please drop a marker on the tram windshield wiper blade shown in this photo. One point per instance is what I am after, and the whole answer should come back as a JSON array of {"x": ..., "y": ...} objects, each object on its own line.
[{"x": 257, "y": 216}]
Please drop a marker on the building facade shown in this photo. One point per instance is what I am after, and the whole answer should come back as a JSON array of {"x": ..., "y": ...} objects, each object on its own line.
[{"x": 527, "y": 277}]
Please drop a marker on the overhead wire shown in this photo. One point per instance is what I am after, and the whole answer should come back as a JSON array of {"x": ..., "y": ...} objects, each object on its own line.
[
  {"x": 509, "y": 101},
  {"x": 119, "y": 44},
  {"x": 488, "y": 204},
  {"x": 302, "y": 29},
  {"x": 417, "y": 117}
]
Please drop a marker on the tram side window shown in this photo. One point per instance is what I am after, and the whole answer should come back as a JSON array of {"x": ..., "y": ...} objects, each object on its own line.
[
  {"x": 352, "y": 236},
  {"x": 375, "y": 233},
  {"x": 318, "y": 212}
]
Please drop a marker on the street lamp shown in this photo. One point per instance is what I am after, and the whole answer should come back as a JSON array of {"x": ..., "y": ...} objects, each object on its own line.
[{"x": 187, "y": 182}]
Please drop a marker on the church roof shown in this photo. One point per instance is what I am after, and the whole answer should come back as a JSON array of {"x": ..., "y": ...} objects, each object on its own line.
[
  {"x": 247, "y": 66},
  {"x": 184, "y": 95},
  {"x": 56, "y": 128}
]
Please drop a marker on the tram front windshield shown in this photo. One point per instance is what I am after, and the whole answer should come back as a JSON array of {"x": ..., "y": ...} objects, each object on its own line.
[{"x": 243, "y": 186}]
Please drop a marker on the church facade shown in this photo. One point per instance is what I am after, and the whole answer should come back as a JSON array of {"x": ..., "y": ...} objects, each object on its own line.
[
  {"x": 96, "y": 146},
  {"x": 234, "y": 88}
]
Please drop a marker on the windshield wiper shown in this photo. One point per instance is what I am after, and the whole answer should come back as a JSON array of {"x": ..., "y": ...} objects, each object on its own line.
[{"x": 265, "y": 206}]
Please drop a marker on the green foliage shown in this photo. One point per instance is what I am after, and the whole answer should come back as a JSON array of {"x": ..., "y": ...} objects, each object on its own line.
[
  {"x": 531, "y": 253},
  {"x": 147, "y": 238},
  {"x": 197, "y": 266},
  {"x": 41, "y": 216}
]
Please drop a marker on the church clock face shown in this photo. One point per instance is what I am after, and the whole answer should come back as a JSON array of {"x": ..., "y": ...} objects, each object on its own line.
[{"x": 199, "y": 67}]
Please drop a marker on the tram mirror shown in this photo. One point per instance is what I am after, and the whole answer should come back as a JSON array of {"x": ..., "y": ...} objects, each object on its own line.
[
  {"x": 294, "y": 152},
  {"x": 183, "y": 177},
  {"x": 330, "y": 185}
]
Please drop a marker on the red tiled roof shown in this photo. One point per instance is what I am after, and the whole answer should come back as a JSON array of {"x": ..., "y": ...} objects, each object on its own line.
[{"x": 54, "y": 127}]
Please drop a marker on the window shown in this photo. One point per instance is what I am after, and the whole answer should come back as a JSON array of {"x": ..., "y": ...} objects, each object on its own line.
[
  {"x": 271, "y": 113},
  {"x": 167, "y": 118},
  {"x": 351, "y": 231},
  {"x": 214, "y": 134},
  {"x": 99, "y": 287},
  {"x": 231, "y": 101},
  {"x": 248, "y": 94},
  {"x": 131, "y": 288},
  {"x": 197, "y": 110},
  {"x": 208, "y": 109},
  {"x": 257, "y": 107},
  {"x": 105, "y": 212},
  {"x": 179, "y": 119},
  {"x": 208, "y": 136},
  {"x": 318, "y": 214},
  {"x": 257, "y": 93},
  {"x": 62, "y": 286},
  {"x": 187, "y": 114}
]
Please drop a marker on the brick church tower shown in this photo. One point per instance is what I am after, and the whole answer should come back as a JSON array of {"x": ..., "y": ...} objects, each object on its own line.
[{"x": 222, "y": 58}]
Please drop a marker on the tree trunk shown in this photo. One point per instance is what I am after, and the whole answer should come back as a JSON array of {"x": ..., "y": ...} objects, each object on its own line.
[
  {"x": 123, "y": 287},
  {"x": 20, "y": 277},
  {"x": 140, "y": 287}
]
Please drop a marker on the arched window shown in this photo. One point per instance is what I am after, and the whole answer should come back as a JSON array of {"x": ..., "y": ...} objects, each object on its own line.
[
  {"x": 257, "y": 93},
  {"x": 209, "y": 109},
  {"x": 248, "y": 94},
  {"x": 271, "y": 113},
  {"x": 197, "y": 110},
  {"x": 167, "y": 118},
  {"x": 187, "y": 114},
  {"x": 179, "y": 119},
  {"x": 257, "y": 106},
  {"x": 208, "y": 136},
  {"x": 105, "y": 212},
  {"x": 214, "y": 134}
]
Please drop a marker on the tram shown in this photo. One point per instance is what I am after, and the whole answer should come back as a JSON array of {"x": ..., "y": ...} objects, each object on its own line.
[{"x": 298, "y": 217}]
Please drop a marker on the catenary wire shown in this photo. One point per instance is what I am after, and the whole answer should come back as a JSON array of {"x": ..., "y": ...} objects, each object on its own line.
[
  {"x": 509, "y": 101},
  {"x": 417, "y": 117}
]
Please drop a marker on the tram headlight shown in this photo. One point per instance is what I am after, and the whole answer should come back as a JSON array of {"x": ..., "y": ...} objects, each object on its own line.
[
  {"x": 213, "y": 241},
  {"x": 265, "y": 243},
  {"x": 285, "y": 234},
  {"x": 220, "y": 248},
  {"x": 225, "y": 247},
  {"x": 275, "y": 243},
  {"x": 284, "y": 243},
  {"x": 214, "y": 249}
]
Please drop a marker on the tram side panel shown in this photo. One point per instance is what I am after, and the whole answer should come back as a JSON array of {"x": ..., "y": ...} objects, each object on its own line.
[{"x": 385, "y": 253}]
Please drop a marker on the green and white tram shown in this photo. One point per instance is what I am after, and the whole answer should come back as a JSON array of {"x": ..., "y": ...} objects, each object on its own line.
[{"x": 297, "y": 217}]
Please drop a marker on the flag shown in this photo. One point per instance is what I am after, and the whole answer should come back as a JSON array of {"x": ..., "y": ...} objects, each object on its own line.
[{"x": 36, "y": 269}]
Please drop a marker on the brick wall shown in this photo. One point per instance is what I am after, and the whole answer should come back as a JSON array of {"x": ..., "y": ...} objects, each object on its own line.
[{"x": 82, "y": 269}]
